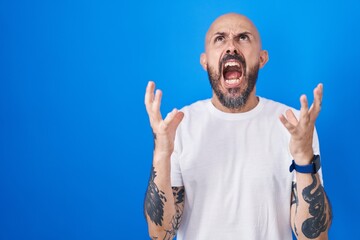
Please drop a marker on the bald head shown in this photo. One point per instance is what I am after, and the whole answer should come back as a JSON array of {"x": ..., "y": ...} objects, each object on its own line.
[{"x": 232, "y": 22}]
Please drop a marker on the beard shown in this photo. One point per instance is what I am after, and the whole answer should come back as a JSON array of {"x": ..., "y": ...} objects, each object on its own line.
[{"x": 234, "y": 98}]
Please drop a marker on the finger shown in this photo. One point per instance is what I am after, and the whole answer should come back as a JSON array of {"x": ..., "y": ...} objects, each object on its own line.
[
  {"x": 290, "y": 127},
  {"x": 173, "y": 119},
  {"x": 170, "y": 116},
  {"x": 290, "y": 116},
  {"x": 178, "y": 117},
  {"x": 304, "y": 110},
  {"x": 149, "y": 94},
  {"x": 156, "y": 105},
  {"x": 157, "y": 99},
  {"x": 316, "y": 106}
]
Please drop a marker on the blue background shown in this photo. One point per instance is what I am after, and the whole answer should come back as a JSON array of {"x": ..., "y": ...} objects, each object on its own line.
[{"x": 75, "y": 142}]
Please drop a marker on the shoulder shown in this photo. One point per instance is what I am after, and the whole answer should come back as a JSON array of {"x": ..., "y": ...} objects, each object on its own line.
[
  {"x": 274, "y": 107},
  {"x": 194, "y": 114},
  {"x": 198, "y": 107}
]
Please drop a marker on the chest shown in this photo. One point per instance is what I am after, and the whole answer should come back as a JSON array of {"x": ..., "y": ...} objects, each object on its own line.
[{"x": 238, "y": 155}]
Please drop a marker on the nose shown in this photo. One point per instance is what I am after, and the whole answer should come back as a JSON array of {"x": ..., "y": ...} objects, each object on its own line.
[{"x": 231, "y": 49}]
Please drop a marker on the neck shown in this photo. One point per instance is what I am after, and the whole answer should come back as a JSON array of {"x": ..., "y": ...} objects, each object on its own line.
[{"x": 251, "y": 103}]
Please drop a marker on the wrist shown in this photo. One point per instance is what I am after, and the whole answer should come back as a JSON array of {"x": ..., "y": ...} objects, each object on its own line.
[
  {"x": 161, "y": 153},
  {"x": 304, "y": 158}
]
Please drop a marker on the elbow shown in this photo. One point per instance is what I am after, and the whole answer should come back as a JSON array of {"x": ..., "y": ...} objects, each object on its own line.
[
  {"x": 159, "y": 231},
  {"x": 156, "y": 232}
]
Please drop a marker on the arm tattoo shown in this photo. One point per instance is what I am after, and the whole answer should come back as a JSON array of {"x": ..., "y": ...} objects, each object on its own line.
[
  {"x": 154, "y": 206},
  {"x": 315, "y": 197},
  {"x": 179, "y": 193},
  {"x": 154, "y": 135},
  {"x": 295, "y": 200},
  {"x": 154, "y": 201}
]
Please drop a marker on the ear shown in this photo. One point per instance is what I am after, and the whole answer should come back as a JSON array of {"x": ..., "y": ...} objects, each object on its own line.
[
  {"x": 203, "y": 61},
  {"x": 264, "y": 58}
]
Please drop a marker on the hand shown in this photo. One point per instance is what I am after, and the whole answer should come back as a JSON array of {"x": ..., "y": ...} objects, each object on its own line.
[
  {"x": 164, "y": 129},
  {"x": 302, "y": 130}
]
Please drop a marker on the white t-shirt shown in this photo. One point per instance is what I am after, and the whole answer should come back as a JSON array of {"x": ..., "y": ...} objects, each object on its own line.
[{"x": 235, "y": 170}]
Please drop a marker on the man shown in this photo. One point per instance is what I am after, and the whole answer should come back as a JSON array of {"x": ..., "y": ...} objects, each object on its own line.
[{"x": 221, "y": 166}]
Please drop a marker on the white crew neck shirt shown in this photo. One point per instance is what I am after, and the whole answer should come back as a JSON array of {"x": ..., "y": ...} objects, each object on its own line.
[{"x": 235, "y": 170}]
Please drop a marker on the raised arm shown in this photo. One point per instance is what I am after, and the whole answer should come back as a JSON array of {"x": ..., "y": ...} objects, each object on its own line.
[
  {"x": 163, "y": 204},
  {"x": 310, "y": 207}
]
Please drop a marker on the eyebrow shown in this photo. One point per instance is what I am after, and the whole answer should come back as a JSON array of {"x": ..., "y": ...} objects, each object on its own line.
[
  {"x": 237, "y": 35},
  {"x": 219, "y": 33}
]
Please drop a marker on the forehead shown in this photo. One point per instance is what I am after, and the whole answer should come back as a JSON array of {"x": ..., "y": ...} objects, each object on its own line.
[{"x": 232, "y": 23}]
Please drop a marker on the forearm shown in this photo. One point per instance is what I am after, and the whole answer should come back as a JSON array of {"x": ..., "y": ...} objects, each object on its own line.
[
  {"x": 311, "y": 210},
  {"x": 162, "y": 212},
  {"x": 159, "y": 202}
]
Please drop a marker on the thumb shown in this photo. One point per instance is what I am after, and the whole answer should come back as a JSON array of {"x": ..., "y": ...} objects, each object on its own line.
[
  {"x": 177, "y": 119},
  {"x": 173, "y": 119}
]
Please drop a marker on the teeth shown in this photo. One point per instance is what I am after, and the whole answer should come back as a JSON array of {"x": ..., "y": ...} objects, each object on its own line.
[
  {"x": 227, "y": 64},
  {"x": 232, "y": 81}
]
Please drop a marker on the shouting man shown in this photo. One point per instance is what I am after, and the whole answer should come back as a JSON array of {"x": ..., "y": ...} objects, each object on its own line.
[{"x": 236, "y": 166}]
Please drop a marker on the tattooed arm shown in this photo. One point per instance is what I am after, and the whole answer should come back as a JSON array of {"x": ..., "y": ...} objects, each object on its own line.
[
  {"x": 163, "y": 210},
  {"x": 163, "y": 204},
  {"x": 310, "y": 207}
]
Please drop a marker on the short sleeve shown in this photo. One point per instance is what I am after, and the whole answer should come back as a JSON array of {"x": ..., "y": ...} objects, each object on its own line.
[
  {"x": 176, "y": 176},
  {"x": 316, "y": 149}
]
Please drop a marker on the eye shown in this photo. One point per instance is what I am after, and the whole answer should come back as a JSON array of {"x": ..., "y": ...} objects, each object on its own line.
[
  {"x": 219, "y": 39},
  {"x": 244, "y": 37}
]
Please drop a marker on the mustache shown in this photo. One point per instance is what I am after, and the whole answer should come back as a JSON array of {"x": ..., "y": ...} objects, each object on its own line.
[{"x": 236, "y": 57}]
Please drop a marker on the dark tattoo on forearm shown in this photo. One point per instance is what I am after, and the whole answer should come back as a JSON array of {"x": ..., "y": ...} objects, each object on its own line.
[
  {"x": 295, "y": 200},
  {"x": 178, "y": 193},
  {"x": 154, "y": 206},
  {"x": 315, "y": 196},
  {"x": 154, "y": 201},
  {"x": 154, "y": 135}
]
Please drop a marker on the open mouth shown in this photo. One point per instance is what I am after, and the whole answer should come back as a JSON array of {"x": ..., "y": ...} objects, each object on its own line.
[{"x": 232, "y": 73}]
